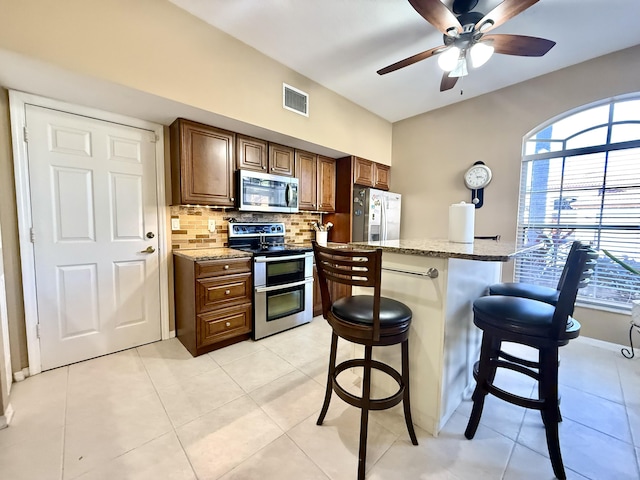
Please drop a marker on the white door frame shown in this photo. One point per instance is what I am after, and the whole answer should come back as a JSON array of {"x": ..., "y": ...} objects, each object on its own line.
[{"x": 17, "y": 103}]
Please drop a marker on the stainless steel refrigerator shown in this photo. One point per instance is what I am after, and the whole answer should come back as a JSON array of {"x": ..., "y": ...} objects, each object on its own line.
[{"x": 376, "y": 215}]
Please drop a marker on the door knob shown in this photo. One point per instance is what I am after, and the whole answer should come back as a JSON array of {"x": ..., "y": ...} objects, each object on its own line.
[{"x": 149, "y": 249}]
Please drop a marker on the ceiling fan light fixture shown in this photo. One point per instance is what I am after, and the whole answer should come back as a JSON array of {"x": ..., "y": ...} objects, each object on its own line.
[
  {"x": 448, "y": 60},
  {"x": 461, "y": 69},
  {"x": 480, "y": 53},
  {"x": 486, "y": 26}
]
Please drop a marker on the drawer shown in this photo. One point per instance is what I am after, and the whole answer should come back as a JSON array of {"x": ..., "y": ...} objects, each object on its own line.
[
  {"x": 217, "y": 292},
  {"x": 223, "y": 324},
  {"x": 211, "y": 268}
]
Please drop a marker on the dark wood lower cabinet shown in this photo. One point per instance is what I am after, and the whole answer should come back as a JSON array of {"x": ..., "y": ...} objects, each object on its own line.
[{"x": 213, "y": 302}]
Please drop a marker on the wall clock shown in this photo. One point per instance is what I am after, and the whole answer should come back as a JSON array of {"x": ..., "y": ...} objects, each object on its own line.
[{"x": 476, "y": 178}]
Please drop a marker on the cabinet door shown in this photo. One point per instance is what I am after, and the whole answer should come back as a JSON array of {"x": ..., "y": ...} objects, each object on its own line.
[
  {"x": 202, "y": 164},
  {"x": 251, "y": 153},
  {"x": 281, "y": 160},
  {"x": 381, "y": 176},
  {"x": 326, "y": 184},
  {"x": 317, "y": 295},
  {"x": 306, "y": 173},
  {"x": 363, "y": 172}
]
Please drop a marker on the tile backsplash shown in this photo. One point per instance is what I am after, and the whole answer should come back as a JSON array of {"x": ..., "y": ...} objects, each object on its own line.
[{"x": 194, "y": 226}]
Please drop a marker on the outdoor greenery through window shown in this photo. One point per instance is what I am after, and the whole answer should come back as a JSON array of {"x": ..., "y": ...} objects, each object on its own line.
[{"x": 580, "y": 180}]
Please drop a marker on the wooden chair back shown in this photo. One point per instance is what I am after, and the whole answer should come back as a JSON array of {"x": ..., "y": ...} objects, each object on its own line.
[
  {"x": 347, "y": 266},
  {"x": 579, "y": 270}
]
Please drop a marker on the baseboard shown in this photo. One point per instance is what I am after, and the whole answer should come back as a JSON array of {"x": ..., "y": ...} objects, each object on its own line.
[
  {"x": 614, "y": 347},
  {"x": 21, "y": 375},
  {"x": 5, "y": 419}
]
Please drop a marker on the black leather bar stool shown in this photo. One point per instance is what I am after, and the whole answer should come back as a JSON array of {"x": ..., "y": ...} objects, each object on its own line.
[
  {"x": 535, "y": 292},
  {"x": 538, "y": 325},
  {"x": 369, "y": 320}
]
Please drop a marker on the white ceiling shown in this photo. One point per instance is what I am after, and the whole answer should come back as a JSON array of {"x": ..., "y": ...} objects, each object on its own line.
[{"x": 341, "y": 44}]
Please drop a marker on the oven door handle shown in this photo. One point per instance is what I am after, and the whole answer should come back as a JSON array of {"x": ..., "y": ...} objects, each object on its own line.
[
  {"x": 281, "y": 259},
  {"x": 282, "y": 287}
]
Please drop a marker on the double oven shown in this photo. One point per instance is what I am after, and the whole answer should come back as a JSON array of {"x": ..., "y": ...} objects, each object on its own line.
[{"x": 282, "y": 277}]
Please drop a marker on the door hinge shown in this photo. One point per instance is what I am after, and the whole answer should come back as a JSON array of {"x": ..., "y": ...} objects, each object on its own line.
[
  {"x": 32, "y": 236},
  {"x": 38, "y": 330},
  {"x": 25, "y": 134}
]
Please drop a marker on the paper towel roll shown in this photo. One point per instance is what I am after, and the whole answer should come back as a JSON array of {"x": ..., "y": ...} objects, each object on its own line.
[{"x": 461, "y": 222}]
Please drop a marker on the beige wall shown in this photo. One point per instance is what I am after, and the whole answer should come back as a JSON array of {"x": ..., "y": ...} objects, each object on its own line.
[
  {"x": 431, "y": 152},
  {"x": 11, "y": 250},
  {"x": 157, "y": 48},
  {"x": 154, "y": 47}
]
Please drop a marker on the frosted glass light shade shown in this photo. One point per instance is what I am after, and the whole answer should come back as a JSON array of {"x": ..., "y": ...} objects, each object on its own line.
[
  {"x": 480, "y": 53},
  {"x": 448, "y": 59},
  {"x": 460, "y": 70}
]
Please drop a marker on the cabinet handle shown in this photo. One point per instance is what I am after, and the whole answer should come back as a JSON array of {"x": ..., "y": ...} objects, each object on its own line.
[
  {"x": 227, "y": 292},
  {"x": 232, "y": 199},
  {"x": 228, "y": 324},
  {"x": 226, "y": 267}
]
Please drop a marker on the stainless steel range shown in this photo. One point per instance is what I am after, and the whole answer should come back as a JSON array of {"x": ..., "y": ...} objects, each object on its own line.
[{"x": 282, "y": 277}]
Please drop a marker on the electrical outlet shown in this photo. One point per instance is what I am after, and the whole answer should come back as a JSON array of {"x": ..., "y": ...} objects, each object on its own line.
[
  {"x": 212, "y": 226},
  {"x": 175, "y": 224}
]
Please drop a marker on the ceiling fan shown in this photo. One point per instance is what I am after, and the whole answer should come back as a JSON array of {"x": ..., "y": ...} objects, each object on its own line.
[{"x": 465, "y": 34}]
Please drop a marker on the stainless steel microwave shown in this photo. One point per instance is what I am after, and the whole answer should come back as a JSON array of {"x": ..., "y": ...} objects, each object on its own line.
[{"x": 263, "y": 192}]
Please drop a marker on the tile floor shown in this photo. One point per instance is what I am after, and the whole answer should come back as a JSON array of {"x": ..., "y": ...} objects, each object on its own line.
[{"x": 248, "y": 412}]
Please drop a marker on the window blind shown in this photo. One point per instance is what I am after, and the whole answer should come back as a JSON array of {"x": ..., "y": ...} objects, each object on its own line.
[{"x": 580, "y": 180}]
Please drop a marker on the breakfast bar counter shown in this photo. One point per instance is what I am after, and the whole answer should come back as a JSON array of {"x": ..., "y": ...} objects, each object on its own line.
[{"x": 438, "y": 280}]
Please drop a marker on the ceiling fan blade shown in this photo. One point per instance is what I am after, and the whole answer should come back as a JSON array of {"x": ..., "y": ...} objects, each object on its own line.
[
  {"x": 411, "y": 60},
  {"x": 519, "y": 44},
  {"x": 447, "y": 82},
  {"x": 503, "y": 12},
  {"x": 437, "y": 14}
]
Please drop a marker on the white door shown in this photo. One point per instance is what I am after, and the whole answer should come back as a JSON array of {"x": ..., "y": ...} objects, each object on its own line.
[{"x": 94, "y": 214}]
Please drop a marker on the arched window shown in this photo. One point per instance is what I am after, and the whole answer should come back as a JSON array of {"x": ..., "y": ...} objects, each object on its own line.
[{"x": 580, "y": 180}]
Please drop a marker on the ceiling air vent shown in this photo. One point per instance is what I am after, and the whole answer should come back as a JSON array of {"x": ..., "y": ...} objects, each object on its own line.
[{"x": 295, "y": 100}]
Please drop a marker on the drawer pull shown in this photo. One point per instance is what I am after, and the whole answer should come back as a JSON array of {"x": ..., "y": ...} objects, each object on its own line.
[
  {"x": 226, "y": 267},
  {"x": 227, "y": 292},
  {"x": 228, "y": 324}
]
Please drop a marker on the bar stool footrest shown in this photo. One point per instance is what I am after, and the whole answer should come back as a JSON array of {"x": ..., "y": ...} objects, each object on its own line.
[{"x": 374, "y": 403}]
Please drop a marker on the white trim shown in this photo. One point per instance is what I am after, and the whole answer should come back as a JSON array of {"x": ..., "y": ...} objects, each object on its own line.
[
  {"x": 5, "y": 420},
  {"x": 17, "y": 108}
]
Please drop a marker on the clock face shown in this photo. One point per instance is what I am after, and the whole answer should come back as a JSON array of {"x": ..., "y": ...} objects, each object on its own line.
[{"x": 478, "y": 176}]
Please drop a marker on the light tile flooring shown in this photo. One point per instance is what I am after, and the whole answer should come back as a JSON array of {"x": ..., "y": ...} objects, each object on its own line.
[{"x": 248, "y": 411}]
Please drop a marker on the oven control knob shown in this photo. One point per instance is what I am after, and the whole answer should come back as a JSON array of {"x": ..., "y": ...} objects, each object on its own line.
[{"x": 227, "y": 292}]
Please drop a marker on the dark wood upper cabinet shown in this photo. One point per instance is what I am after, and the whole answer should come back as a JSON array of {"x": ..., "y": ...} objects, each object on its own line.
[
  {"x": 370, "y": 174},
  {"x": 381, "y": 176},
  {"x": 363, "y": 172},
  {"x": 316, "y": 182},
  {"x": 202, "y": 164},
  {"x": 326, "y": 184},
  {"x": 251, "y": 153},
  {"x": 281, "y": 160},
  {"x": 306, "y": 173}
]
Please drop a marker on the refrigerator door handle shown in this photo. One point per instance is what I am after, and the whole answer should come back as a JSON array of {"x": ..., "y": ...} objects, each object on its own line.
[{"x": 383, "y": 223}]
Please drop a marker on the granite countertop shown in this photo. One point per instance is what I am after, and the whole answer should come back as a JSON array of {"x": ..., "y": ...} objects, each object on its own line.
[
  {"x": 199, "y": 254},
  {"x": 483, "y": 250}
]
